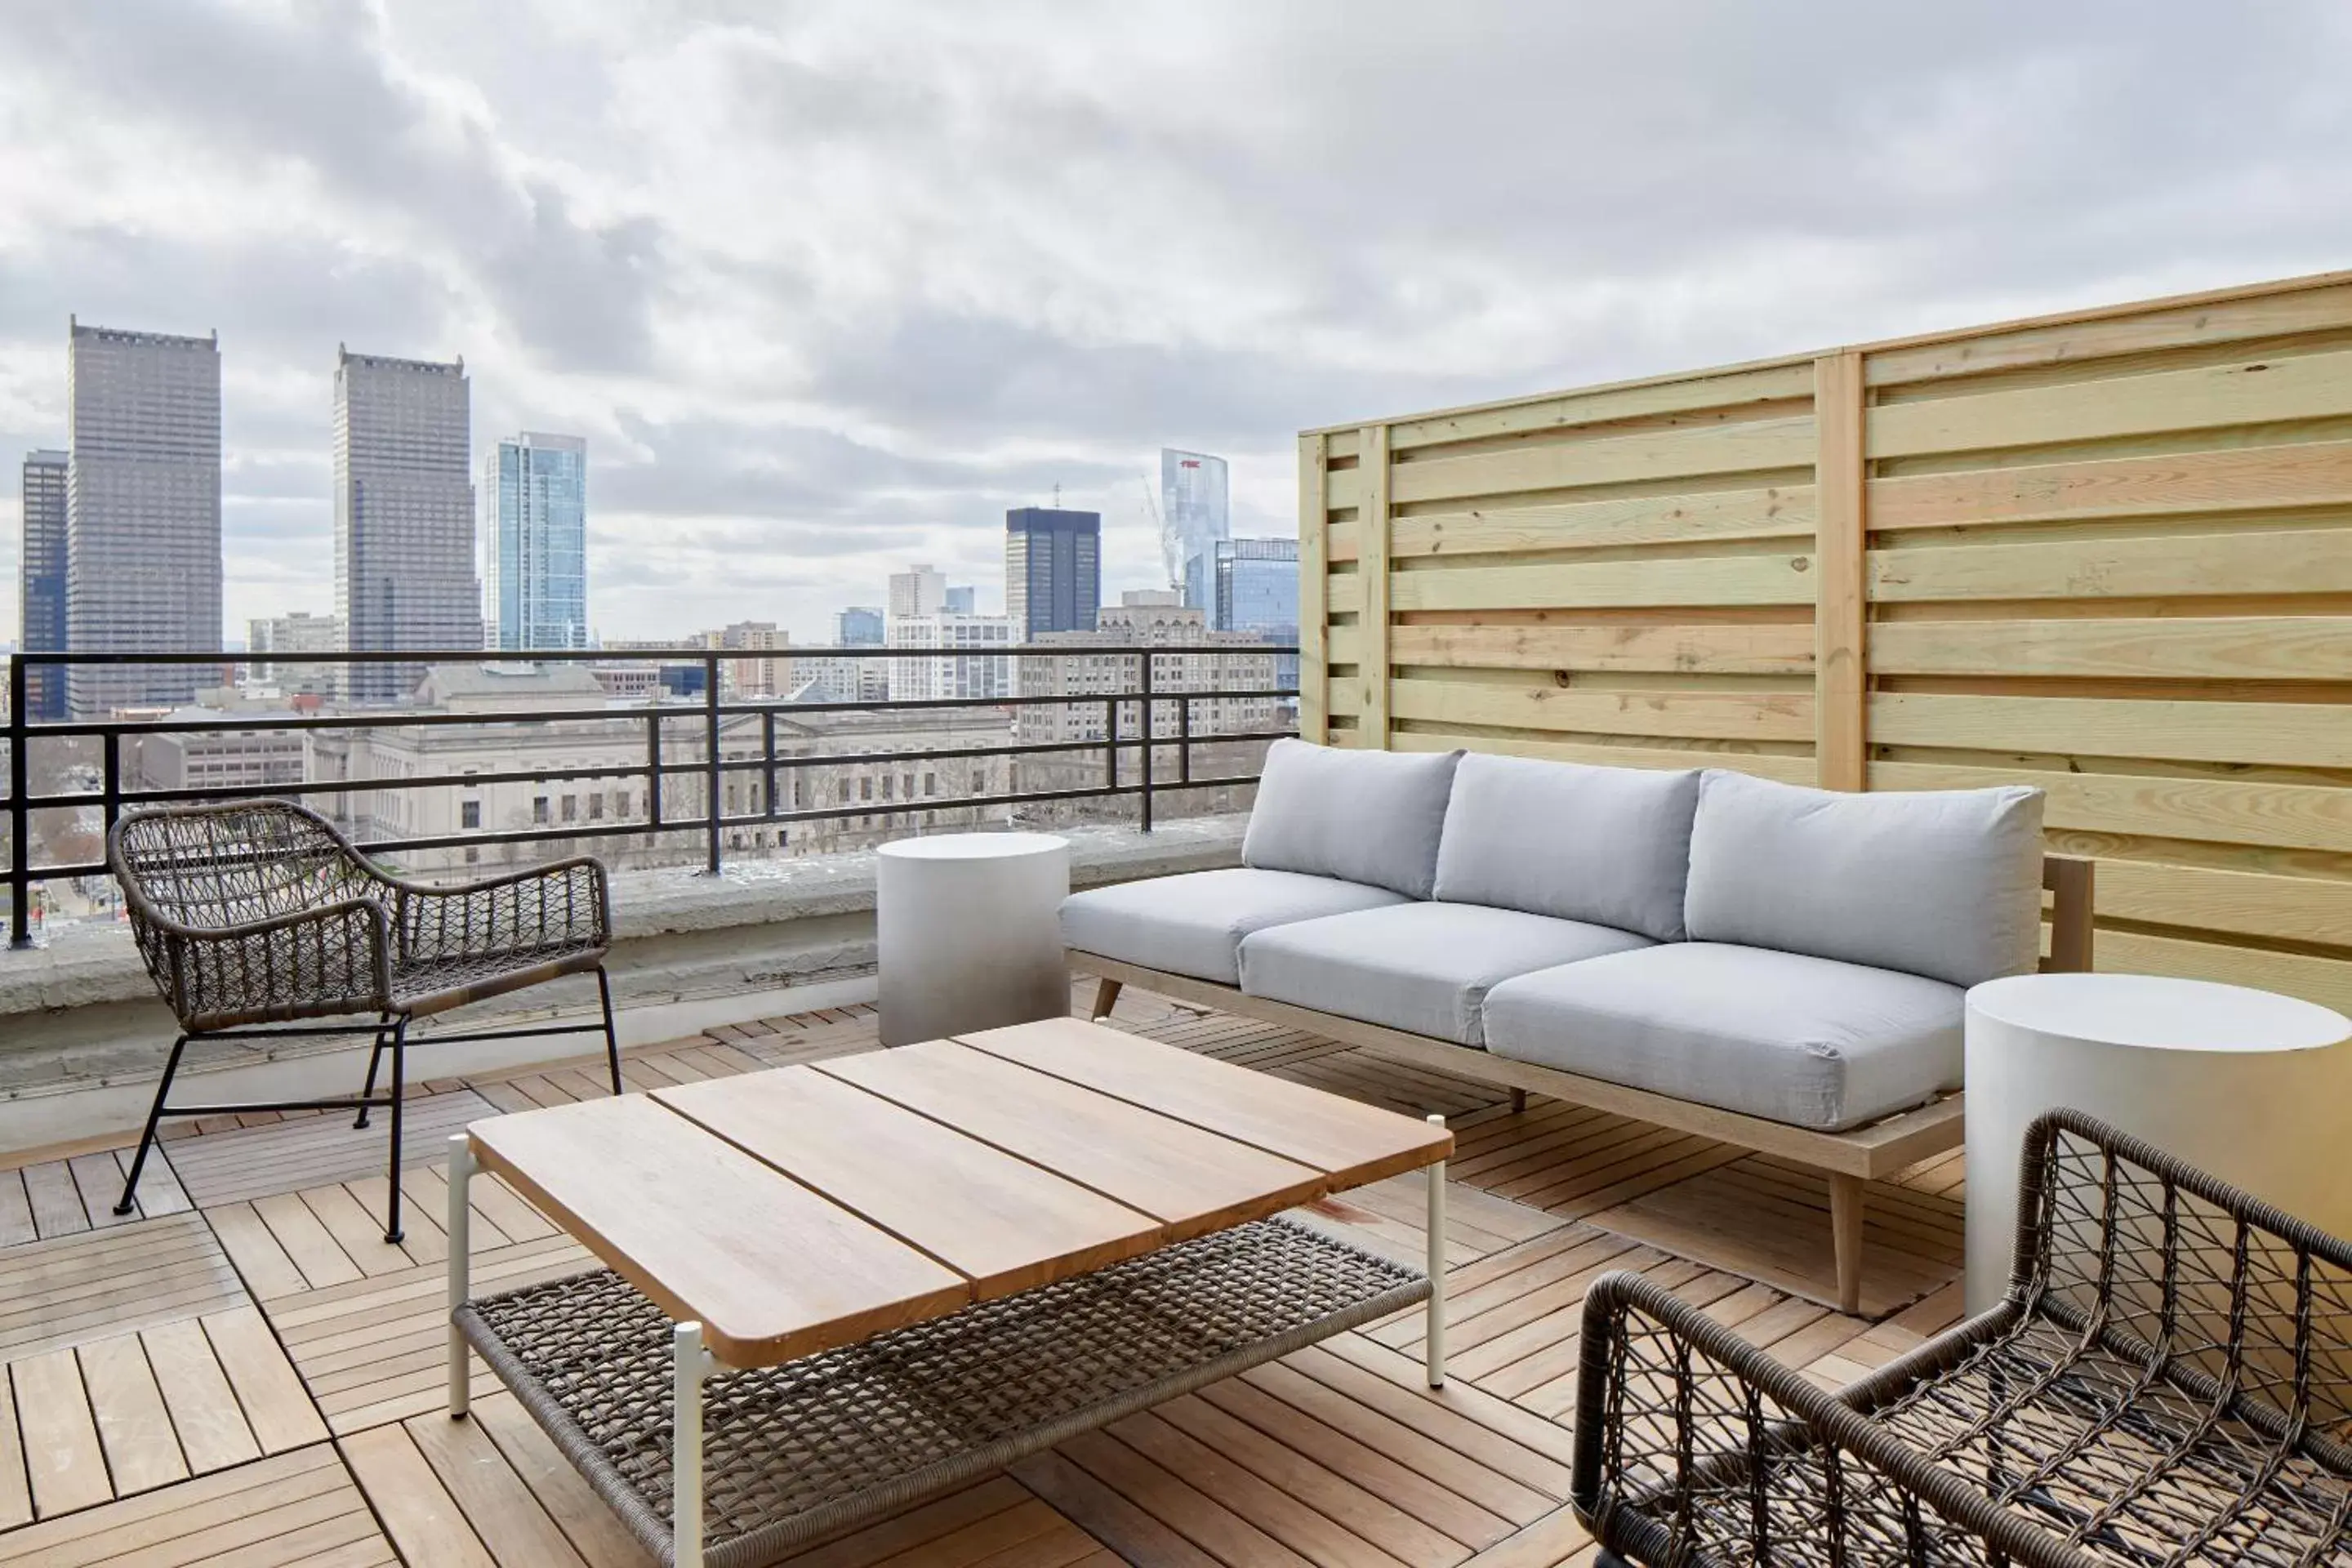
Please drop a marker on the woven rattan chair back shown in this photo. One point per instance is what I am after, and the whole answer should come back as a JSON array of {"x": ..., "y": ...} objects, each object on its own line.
[{"x": 215, "y": 866}]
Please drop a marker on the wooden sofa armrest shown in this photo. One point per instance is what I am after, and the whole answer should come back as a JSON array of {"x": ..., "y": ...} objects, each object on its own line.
[{"x": 2068, "y": 878}]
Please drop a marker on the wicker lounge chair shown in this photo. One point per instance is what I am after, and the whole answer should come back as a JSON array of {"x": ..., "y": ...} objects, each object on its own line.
[
  {"x": 2169, "y": 1381},
  {"x": 255, "y": 916}
]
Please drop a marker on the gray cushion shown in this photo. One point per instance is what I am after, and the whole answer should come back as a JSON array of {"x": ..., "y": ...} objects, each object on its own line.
[
  {"x": 1361, "y": 816},
  {"x": 1944, "y": 883},
  {"x": 1610, "y": 846},
  {"x": 1808, "y": 1041},
  {"x": 1193, "y": 924},
  {"x": 1423, "y": 968}
]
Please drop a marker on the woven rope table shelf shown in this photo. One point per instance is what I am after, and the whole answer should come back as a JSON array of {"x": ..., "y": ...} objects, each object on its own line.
[{"x": 796, "y": 1451}]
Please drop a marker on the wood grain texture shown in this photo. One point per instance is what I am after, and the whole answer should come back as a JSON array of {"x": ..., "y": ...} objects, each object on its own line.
[
  {"x": 2242, "y": 478},
  {"x": 2203, "y": 566},
  {"x": 1731, "y": 715},
  {"x": 1699, "y": 649},
  {"x": 1750, "y": 446},
  {"x": 1765, "y": 513},
  {"x": 1376, "y": 477},
  {"x": 1841, "y": 675}
]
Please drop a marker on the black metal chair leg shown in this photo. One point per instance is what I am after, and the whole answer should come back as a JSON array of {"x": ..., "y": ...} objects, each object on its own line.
[
  {"x": 147, "y": 1139},
  {"x": 399, "y": 1062},
  {"x": 367, "y": 1090},
  {"x": 611, "y": 1038}
]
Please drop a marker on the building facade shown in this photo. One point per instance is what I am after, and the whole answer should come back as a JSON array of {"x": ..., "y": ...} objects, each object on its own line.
[
  {"x": 534, "y": 500},
  {"x": 836, "y": 678},
  {"x": 927, "y": 680},
  {"x": 1187, "y": 656},
  {"x": 300, "y": 632},
  {"x": 1257, "y": 591},
  {"x": 917, "y": 591},
  {"x": 1053, "y": 571},
  {"x": 142, "y": 512},
  {"x": 41, "y": 581},
  {"x": 765, "y": 679},
  {"x": 403, "y": 517},
  {"x": 857, "y": 626},
  {"x": 1194, "y": 516}
]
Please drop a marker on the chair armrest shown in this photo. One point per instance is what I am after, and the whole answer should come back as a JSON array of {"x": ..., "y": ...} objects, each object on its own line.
[
  {"x": 311, "y": 964},
  {"x": 1692, "y": 1444},
  {"x": 562, "y": 907}
]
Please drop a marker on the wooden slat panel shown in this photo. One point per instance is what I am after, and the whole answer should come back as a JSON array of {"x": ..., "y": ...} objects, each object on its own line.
[
  {"x": 1195, "y": 1181},
  {"x": 1702, "y": 650},
  {"x": 2228, "y": 647},
  {"x": 2298, "y": 909},
  {"x": 1350, "y": 1142},
  {"x": 1738, "y": 716},
  {"x": 2237, "y": 479},
  {"x": 2307, "y": 734},
  {"x": 1001, "y": 1222},
  {"x": 1777, "y": 579},
  {"x": 771, "y": 1271},
  {"x": 1676, "y": 394},
  {"x": 1787, "y": 770},
  {"x": 2304, "y": 386},
  {"x": 2297, "y": 561},
  {"x": 2326, "y": 981},
  {"x": 1313, "y": 572},
  {"x": 2255, "y": 314},
  {"x": 1750, "y": 445},
  {"x": 1839, "y": 675},
  {"x": 1765, "y": 513},
  {"x": 2288, "y": 816}
]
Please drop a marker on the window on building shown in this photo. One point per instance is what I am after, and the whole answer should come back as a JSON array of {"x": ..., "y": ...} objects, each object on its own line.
[
  {"x": 866, "y": 789},
  {"x": 621, "y": 803},
  {"x": 931, "y": 783},
  {"x": 473, "y": 856},
  {"x": 597, "y": 806},
  {"x": 570, "y": 809},
  {"x": 887, "y": 780},
  {"x": 539, "y": 808},
  {"x": 469, "y": 815}
]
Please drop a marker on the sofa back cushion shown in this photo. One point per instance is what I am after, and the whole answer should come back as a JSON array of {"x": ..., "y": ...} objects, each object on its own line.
[
  {"x": 1605, "y": 845},
  {"x": 1362, "y": 816},
  {"x": 1944, "y": 883}
]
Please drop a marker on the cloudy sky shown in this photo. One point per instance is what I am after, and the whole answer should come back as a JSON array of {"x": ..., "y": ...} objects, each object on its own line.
[{"x": 829, "y": 286}]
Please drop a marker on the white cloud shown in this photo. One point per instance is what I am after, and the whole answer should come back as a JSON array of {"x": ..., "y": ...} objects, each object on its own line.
[{"x": 828, "y": 287}]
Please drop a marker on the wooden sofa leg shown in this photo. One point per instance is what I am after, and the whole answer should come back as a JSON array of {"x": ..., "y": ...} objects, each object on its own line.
[
  {"x": 1105, "y": 998},
  {"x": 1519, "y": 1101},
  {"x": 1845, "y": 1233}
]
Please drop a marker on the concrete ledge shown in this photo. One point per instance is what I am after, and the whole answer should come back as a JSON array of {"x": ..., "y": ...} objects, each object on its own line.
[{"x": 83, "y": 1035}]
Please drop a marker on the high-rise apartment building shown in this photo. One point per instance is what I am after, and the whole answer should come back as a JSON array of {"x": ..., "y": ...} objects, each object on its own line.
[
  {"x": 1053, "y": 571},
  {"x": 836, "y": 678},
  {"x": 288, "y": 636},
  {"x": 857, "y": 626},
  {"x": 142, "y": 512},
  {"x": 749, "y": 677},
  {"x": 962, "y": 601},
  {"x": 535, "y": 497},
  {"x": 1194, "y": 516},
  {"x": 919, "y": 680},
  {"x": 403, "y": 516},
  {"x": 917, "y": 590},
  {"x": 41, "y": 581}
]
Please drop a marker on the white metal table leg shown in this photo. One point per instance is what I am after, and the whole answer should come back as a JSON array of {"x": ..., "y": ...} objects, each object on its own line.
[
  {"x": 691, "y": 1363},
  {"x": 461, "y": 1174},
  {"x": 1435, "y": 1343}
]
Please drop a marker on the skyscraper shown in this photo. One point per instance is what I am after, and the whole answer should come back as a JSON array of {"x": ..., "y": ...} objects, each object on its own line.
[
  {"x": 857, "y": 626},
  {"x": 1053, "y": 569},
  {"x": 403, "y": 516},
  {"x": 142, "y": 512},
  {"x": 917, "y": 590},
  {"x": 1257, "y": 591},
  {"x": 1193, "y": 516},
  {"x": 535, "y": 550},
  {"x": 962, "y": 601},
  {"x": 41, "y": 581}
]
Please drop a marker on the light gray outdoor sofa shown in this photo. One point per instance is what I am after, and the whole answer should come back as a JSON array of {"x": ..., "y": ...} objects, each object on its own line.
[{"x": 1776, "y": 967}]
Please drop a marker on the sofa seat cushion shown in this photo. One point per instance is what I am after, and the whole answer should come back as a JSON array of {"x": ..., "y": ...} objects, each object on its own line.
[
  {"x": 1422, "y": 968},
  {"x": 1194, "y": 923},
  {"x": 1813, "y": 1042}
]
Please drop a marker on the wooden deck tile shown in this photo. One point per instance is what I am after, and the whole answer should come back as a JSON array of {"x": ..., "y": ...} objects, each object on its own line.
[
  {"x": 315, "y": 1151},
  {"x": 296, "y": 1509},
  {"x": 86, "y": 1287}
]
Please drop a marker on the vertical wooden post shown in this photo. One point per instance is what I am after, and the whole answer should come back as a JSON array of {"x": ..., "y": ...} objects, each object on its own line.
[
  {"x": 1841, "y": 675},
  {"x": 1372, "y": 564},
  {"x": 1314, "y": 591}
]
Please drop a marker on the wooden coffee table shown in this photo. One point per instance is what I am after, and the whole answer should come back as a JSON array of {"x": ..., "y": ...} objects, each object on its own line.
[{"x": 911, "y": 1266}]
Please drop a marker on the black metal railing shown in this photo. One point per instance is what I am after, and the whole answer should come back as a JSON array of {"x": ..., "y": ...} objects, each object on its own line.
[{"x": 708, "y": 711}]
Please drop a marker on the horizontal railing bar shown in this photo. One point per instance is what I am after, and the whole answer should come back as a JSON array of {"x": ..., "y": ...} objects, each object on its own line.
[{"x": 55, "y": 658}]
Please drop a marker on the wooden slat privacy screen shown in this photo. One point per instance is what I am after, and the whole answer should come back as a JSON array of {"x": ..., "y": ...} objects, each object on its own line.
[{"x": 2108, "y": 553}]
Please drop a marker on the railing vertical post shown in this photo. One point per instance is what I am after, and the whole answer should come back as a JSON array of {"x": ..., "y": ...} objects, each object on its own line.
[
  {"x": 1184, "y": 737},
  {"x": 710, "y": 739},
  {"x": 768, "y": 752},
  {"x": 1110, "y": 742},
  {"x": 20, "y": 819},
  {"x": 111, "y": 791},
  {"x": 653, "y": 769},
  {"x": 1147, "y": 734}
]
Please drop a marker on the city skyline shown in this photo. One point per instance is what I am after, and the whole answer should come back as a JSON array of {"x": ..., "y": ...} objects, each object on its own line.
[{"x": 820, "y": 304}]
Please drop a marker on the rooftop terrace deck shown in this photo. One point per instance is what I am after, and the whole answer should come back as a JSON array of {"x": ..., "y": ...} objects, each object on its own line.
[{"x": 245, "y": 1372}]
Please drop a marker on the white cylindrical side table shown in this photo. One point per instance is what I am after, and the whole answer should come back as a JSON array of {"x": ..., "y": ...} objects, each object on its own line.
[
  {"x": 969, "y": 931},
  {"x": 2248, "y": 1085}
]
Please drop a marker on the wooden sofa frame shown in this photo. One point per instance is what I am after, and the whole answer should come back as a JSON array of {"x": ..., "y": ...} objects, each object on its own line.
[{"x": 1848, "y": 1159}]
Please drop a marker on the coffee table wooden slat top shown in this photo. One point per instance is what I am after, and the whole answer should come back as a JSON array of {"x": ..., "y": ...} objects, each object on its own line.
[
  {"x": 1308, "y": 1125},
  {"x": 772, "y": 1270},
  {"x": 1001, "y": 1222},
  {"x": 806, "y": 1207},
  {"x": 1192, "y": 1180}
]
